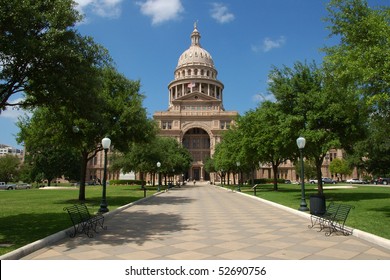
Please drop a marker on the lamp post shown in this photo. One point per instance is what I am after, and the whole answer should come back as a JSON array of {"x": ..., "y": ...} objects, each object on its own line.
[
  {"x": 158, "y": 170},
  {"x": 301, "y": 144},
  {"x": 106, "y": 143},
  {"x": 238, "y": 173}
]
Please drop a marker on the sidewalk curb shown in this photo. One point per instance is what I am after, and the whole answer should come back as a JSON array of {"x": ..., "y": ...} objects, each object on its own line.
[{"x": 44, "y": 242}]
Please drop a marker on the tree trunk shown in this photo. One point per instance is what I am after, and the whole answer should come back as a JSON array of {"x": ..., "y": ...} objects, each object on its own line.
[
  {"x": 319, "y": 176},
  {"x": 253, "y": 177},
  {"x": 142, "y": 179},
  {"x": 84, "y": 162},
  {"x": 275, "y": 171}
]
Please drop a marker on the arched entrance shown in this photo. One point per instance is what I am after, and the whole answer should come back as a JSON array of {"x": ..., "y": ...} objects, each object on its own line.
[{"x": 197, "y": 141}]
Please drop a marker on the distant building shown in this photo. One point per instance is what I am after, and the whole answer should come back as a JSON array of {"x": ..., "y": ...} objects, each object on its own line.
[
  {"x": 8, "y": 150},
  {"x": 95, "y": 169}
]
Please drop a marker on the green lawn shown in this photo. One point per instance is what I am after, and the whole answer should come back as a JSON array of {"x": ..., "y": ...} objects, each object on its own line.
[
  {"x": 30, "y": 215},
  {"x": 372, "y": 203}
]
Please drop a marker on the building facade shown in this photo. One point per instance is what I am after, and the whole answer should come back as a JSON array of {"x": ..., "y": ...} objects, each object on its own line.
[
  {"x": 195, "y": 116},
  {"x": 8, "y": 150}
]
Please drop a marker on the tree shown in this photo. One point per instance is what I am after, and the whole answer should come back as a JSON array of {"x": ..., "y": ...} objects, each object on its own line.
[
  {"x": 115, "y": 111},
  {"x": 9, "y": 168},
  {"x": 47, "y": 151},
  {"x": 360, "y": 63},
  {"x": 268, "y": 136},
  {"x": 227, "y": 152},
  {"x": 143, "y": 158},
  {"x": 315, "y": 109},
  {"x": 340, "y": 166},
  {"x": 309, "y": 168},
  {"x": 43, "y": 57},
  {"x": 209, "y": 166}
]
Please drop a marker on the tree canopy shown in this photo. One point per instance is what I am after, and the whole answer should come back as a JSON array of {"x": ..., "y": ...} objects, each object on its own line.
[
  {"x": 9, "y": 168},
  {"x": 43, "y": 57},
  {"x": 360, "y": 63},
  {"x": 317, "y": 110},
  {"x": 116, "y": 112},
  {"x": 143, "y": 158}
]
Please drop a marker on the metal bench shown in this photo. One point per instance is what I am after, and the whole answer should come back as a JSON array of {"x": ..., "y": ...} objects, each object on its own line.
[
  {"x": 333, "y": 219},
  {"x": 83, "y": 221}
]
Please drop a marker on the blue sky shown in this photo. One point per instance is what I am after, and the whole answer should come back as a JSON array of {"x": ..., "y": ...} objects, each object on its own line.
[{"x": 245, "y": 38}]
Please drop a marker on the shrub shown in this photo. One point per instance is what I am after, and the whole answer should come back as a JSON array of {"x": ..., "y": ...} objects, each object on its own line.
[
  {"x": 127, "y": 182},
  {"x": 265, "y": 181}
]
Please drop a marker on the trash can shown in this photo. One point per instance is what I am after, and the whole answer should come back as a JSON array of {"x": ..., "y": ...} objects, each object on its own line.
[{"x": 317, "y": 204}]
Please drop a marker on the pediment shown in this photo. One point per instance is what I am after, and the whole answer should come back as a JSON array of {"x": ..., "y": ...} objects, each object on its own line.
[{"x": 196, "y": 96}]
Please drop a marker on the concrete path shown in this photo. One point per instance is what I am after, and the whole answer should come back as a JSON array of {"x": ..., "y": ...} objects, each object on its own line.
[{"x": 205, "y": 222}]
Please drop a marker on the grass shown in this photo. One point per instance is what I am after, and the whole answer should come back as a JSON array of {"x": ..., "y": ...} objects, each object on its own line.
[
  {"x": 30, "y": 215},
  {"x": 372, "y": 204}
]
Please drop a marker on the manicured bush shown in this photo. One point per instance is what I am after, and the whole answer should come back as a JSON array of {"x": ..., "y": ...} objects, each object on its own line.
[
  {"x": 127, "y": 182},
  {"x": 265, "y": 181}
]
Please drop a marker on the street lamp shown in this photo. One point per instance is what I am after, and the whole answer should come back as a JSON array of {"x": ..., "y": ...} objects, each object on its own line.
[
  {"x": 238, "y": 168},
  {"x": 106, "y": 143},
  {"x": 301, "y": 144},
  {"x": 158, "y": 170}
]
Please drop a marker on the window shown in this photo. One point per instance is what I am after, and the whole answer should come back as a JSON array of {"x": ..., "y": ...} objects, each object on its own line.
[
  {"x": 166, "y": 125},
  {"x": 225, "y": 124}
]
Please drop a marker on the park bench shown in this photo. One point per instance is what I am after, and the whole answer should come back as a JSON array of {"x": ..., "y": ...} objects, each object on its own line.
[
  {"x": 333, "y": 219},
  {"x": 83, "y": 221}
]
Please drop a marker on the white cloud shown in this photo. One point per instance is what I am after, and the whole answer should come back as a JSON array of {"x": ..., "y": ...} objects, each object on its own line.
[
  {"x": 220, "y": 13},
  {"x": 161, "y": 10},
  {"x": 103, "y": 8},
  {"x": 269, "y": 44},
  {"x": 260, "y": 97},
  {"x": 14, "y": 112}
]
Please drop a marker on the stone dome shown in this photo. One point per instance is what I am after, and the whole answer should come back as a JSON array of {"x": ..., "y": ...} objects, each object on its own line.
[{"x": 195, "y": 54}]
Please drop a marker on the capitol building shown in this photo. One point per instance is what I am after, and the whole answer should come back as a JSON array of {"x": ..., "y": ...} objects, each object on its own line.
[{"x": 195, "y": 116}]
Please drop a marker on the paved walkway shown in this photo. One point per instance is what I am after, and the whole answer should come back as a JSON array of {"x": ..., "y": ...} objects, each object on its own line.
[{"x": 207, "y": 222}]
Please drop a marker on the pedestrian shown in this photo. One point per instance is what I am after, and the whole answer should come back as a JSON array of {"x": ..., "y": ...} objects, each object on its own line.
[{"x": 194, "y": 182}]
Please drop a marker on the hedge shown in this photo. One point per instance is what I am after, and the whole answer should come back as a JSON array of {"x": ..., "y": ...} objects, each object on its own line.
[
  {"x": 127, "y": 182},
  {"x": 265, "y": 181}
]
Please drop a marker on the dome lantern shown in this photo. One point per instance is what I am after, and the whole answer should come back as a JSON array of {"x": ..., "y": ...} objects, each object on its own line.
[{"x": 195, "y": 54}]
